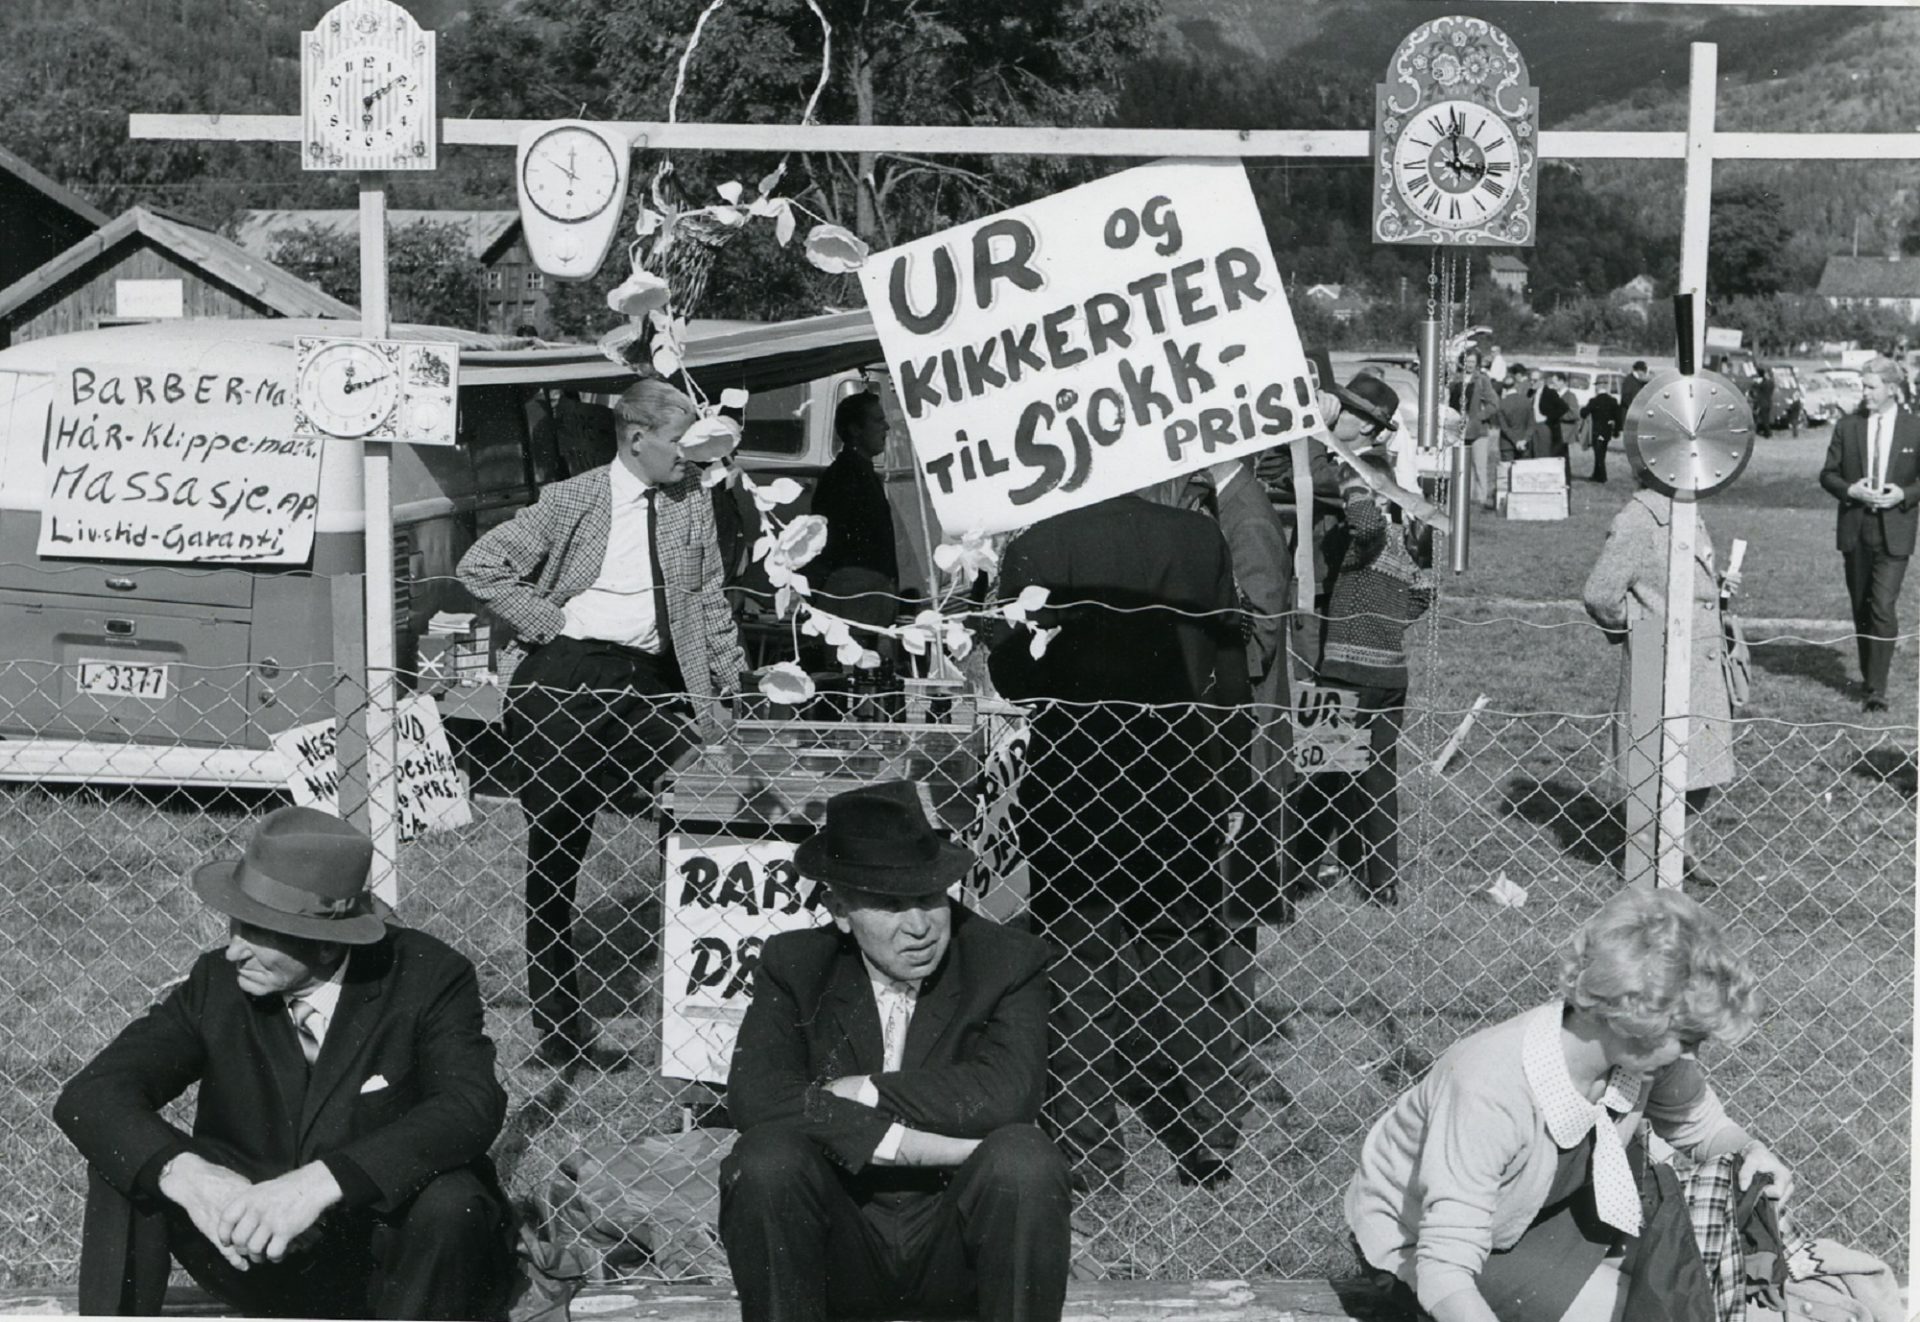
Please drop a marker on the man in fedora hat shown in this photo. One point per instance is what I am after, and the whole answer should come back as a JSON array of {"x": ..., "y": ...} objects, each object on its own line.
[
  {"x": 337, "y": 1165},
  {"x": 886, "y": 1083}
]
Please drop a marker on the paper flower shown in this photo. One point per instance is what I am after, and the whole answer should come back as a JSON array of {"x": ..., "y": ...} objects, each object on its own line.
[
  {"x": 647, "y": 222},
  {"x": 615, "y": 344},
  {"x": 834, "y": 249},
  {"x": 801, "y": 540},
  {"x": 770, "y": 496},
  {"x": 849, "y": 653},
  {"x": 786, "y": 684},
  {"x": 733, "y": 397},
  {"x": 1032, "y": 598},
  {"x": 1041, "y": 637},
  {"x": 1505, "y": 893},
  {"x": 709, "y": 439},
  {"x": 718, "y": 475},
  {"x": 640, "y": 293},
  {"x": 973, "y": 554}
]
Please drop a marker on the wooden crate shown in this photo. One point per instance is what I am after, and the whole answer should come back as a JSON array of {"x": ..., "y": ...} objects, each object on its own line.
[{"x": 1536, "y": 506}]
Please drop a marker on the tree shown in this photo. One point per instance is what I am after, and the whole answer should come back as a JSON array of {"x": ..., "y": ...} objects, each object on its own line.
[
  {"x": 432, "y": 276},
  {"x": 1749, "y": 239}
]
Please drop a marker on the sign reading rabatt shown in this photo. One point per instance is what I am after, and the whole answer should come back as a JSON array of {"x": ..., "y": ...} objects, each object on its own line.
[
  {"x": 194, "y": 460},
  {"x": 1088, "y": 344}
]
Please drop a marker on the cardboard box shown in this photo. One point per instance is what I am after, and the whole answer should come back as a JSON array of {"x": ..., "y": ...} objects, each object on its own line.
[
  {"x": 1538, "y": 475},
  {"x": 1536, "y": 506}
]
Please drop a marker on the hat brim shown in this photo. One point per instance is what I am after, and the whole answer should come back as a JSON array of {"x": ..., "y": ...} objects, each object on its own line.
[
  {"x": 949, "y": 863},
  {"x": 218, "y": 884},
  {"x": 1364, "y": 407}
]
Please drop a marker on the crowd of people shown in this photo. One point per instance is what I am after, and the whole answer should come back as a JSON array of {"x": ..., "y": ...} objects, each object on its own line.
[{"x": 922, "y": 1093}]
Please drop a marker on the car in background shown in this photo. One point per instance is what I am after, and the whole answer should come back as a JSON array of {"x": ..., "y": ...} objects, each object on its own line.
[
  {"x": 1830, "y": 394},
  {"x": 1789, "y": 400},
  {"x": 1582, "y": 379}
]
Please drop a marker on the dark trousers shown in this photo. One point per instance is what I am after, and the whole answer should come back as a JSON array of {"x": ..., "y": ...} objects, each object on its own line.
[
  {"x": 1151, "y": 1016},
  {"x": 1600, "y": 444},
  {"x": 1873, "y": 586},
  {"x": 445, "y": 1255},
  {"x": 1358, "y": 816},
  {"x": 807, "y": 1240},
  {"x": 589, "y": 722}
]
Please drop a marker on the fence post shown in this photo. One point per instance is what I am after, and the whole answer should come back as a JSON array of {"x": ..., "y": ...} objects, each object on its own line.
[
  {"x": 350, "y": 696},
  {"x": 1640, "y": 759}
]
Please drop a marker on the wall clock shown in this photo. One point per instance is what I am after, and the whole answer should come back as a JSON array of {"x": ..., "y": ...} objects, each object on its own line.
[
  {"x": 1454, "y": 154},
  {"x": 367, "y": 80},
  {"x": 572, "y": 179},
  {"x": 405, "y": 391}
]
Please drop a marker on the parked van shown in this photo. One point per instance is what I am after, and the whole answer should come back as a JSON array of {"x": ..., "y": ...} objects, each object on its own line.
[{"x": 191, "y": 667}]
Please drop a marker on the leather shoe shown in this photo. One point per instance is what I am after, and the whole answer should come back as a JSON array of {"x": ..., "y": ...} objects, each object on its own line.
[{"x": 1874, "y": 702}]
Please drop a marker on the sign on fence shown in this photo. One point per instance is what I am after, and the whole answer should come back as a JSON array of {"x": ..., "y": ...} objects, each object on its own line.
[
  {"x": 430, "y": 795},
  {"x": 999, "y": 883},
  {"x": 724, "y": 898},
  {"x": 194, "y": 460},
  {"x": 1329, "y": 730},
  {"x": 1090, "y": 343}
]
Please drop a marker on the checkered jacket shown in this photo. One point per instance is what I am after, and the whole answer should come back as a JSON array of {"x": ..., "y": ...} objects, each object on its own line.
[{"x": 526, "y": 571}]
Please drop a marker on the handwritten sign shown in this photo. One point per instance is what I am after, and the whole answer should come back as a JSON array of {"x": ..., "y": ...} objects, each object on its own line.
[
  {"x": 1088, "y": 344},
  {"x": 189, "y": 462},
  {"x": 1329, "y": 731},
  {"x": 999, "y": 882},
  {"x": 724, "y": 898},
  {"x": 430, "y": 795}
]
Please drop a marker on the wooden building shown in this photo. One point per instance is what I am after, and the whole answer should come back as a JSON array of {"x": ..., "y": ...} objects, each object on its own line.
[
  {"x": 1891, "y": 282},
  {"x": 148, "y": 267},
  {"x": 40, "y": 218}
]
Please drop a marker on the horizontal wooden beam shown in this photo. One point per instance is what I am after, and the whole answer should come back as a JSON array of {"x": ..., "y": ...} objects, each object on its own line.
[{"x": 931, "y": 140}]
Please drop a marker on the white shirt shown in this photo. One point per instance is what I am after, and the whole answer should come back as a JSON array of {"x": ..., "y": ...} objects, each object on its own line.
[
  {"x": 896, "y": 1001},
  {"x": 618, "y": 608},
  {"x": 1879, "y": 444},
  {"x": 325, "y": 999}
]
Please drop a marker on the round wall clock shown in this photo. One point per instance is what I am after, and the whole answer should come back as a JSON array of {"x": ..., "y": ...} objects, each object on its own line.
[
  {"x": 1455, "y": 160},
  {"x": 572, "y": 178},
  {"x": 346, "y": 388},
  {"x": 367, "y": 90}
]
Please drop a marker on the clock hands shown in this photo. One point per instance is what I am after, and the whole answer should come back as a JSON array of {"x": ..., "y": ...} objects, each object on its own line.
[{"x": 353, "y": 385}]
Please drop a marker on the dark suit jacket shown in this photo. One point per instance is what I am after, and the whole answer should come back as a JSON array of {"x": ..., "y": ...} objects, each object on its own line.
[
  {"x": 852, "y": 498},
  {"x": 409, "y": 1012},
  {"x": 976, "y": 1050},
  {"x": 1847, "y": 464}
]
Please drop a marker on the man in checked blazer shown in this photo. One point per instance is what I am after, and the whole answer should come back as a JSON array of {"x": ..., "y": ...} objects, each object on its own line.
[
  {"x": 614, "y": 578},
  {"x": 1873, "y": 470},
  {"x": 337, "y": 1163},
  {"x": 886, "y": 1083}
]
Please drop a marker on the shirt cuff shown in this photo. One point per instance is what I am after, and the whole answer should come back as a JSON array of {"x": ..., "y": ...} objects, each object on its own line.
[
  {"x": 869, "y": 1096},
  {"x": 887, "y": 1151}
]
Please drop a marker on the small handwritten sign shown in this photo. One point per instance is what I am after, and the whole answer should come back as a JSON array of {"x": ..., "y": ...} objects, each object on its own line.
[
  {"x": 1090, "y": 343},
  {"x": 193, "y": 461},
  {"x": 1329, "y": 731},
  {"x": 999, "y": 882},
  {"x": 430, "y": 794}
]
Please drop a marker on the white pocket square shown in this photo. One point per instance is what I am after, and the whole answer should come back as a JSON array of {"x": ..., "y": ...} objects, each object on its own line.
[{"x": 374, "y": 1083}]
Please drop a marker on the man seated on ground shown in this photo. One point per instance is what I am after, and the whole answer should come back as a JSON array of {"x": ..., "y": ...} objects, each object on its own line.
[
  {"x": 886, "y": 1083},
  {"x": 338, "y": 1161}
]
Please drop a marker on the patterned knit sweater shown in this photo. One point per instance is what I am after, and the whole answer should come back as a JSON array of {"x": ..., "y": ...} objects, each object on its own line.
[{"x": 1379, "y": 584}]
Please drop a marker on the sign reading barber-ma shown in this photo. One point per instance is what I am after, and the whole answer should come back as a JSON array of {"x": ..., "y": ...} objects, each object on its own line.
[{"x": 1093, "y": 342}]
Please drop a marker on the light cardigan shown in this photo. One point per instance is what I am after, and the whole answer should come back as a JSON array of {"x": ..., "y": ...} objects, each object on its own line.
[{"x": 1461, "y": 1163}]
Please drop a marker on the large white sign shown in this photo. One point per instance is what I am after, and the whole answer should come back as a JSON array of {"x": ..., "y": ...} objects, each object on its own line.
[
  {"x": 1088, "y": 344},
  {"x": 430, "y": 795},
  {"x": 195, "y": 461},
  {"x": 724, "y": 898}
]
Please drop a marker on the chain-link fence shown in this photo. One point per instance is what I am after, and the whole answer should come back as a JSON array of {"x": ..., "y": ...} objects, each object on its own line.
[{"x": 1263, "y": 1030}]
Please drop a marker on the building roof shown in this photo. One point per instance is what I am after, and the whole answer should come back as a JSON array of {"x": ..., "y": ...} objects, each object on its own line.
[
  {"x": 222, "y": 260},
  {"x": 1870, "y": 277},
  {"x": 1503, "y": 263},
  {"x": 487, "y": 231},
  {"x": 54, "y": 192}
]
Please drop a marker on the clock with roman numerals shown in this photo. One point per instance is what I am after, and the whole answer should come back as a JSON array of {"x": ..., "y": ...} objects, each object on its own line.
[{"x": 1455, "y": 161}]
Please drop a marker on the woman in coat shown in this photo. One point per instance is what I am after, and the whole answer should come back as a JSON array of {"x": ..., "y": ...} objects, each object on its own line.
[
  {"x": 1504, "y": 1186},
  {"x": 1629, "y": 582}
]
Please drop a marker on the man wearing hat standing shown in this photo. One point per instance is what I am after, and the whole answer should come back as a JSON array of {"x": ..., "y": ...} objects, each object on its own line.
[
  {"x": 337, "y": 1165},
  {"x": 886, "y": 1082}
]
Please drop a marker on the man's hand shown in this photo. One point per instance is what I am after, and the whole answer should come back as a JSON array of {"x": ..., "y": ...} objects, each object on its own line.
[
  {"x": 1886, "y": 498},
  {"x": 205, "y": 1192},
  {"x": 265, "y": 1219},
  {"x": 1866, "y": 493},
  {"x": 1759, "y": 1160},
  {"x": 848, "y": 1086}
]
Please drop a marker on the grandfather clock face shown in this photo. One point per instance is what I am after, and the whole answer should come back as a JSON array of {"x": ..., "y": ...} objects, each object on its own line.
[
  {"x": 1455, "y": 160},
  {"x": 367, "y": 79}
]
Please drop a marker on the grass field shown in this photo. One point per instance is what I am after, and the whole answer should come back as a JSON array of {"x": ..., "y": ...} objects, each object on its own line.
[{"x": 1812, "y": 849}]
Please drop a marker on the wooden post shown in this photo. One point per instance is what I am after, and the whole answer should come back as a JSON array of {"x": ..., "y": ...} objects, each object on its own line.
[
  {"x": 1304, "y": 637},
  {"x": 381, "y": 821},
  {"x": 349, "y": 593},
  {"x": 1639, "y": 760},
  {"x": 1677, "y": 702}
]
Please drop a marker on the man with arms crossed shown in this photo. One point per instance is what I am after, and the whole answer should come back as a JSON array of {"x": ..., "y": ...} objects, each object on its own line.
[{"x": 886, "y": 1083}]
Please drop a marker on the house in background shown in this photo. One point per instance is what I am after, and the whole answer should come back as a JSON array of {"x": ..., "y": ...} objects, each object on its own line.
[
  {"x": 1338, "y": 301},
  {"x": 515, "y": 290},
  {"x": 1510, "y": 274},
  {"x": 1890, "y": 282},
  {"x": 1635, "y": 296},
  {"x": 144, "y": 266},
  {"x": 40, "y": 218}
]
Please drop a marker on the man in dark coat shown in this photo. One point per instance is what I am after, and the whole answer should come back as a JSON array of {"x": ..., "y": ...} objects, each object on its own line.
[
  {"x": 1637, "y": 376},
  {"x": 852, "y": 498},
  {"x": 1120, "y": 817},
  {"x": 338, "y": 1161},
  {"x": 886, "y": 1083},
  {"x": 1602, "y": 415},
  {"x": 1873, "y": 470}
]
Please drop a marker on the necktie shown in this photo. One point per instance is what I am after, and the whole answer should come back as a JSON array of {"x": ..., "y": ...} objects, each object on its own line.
[
  {"x": 306, "y": 1021},
  {"x": 1615, "y": 1195},
  {"x": 1877, "y": 451},
  {"x": 660, "y": 621},
  {"x": 893, "y": 1027}
]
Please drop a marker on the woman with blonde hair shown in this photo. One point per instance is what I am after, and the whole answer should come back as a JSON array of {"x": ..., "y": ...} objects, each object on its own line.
[{"x": 1502, "y": 1185}]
